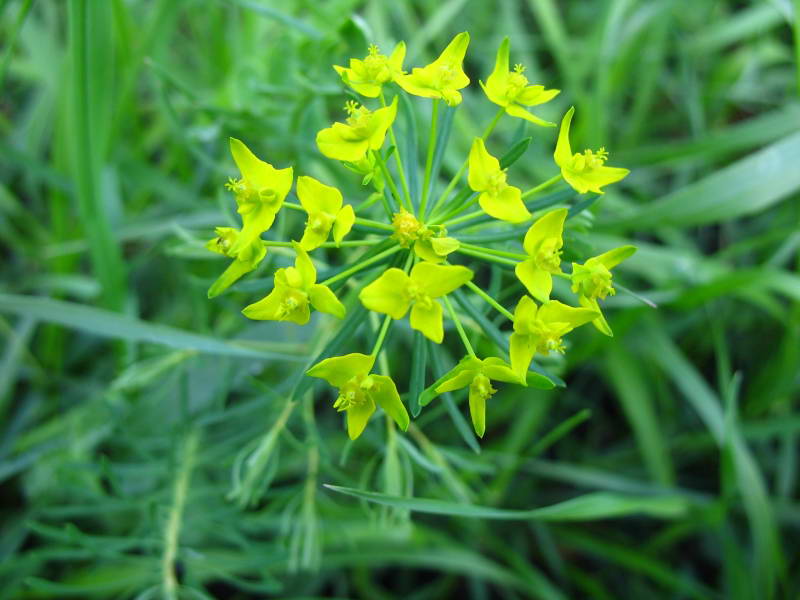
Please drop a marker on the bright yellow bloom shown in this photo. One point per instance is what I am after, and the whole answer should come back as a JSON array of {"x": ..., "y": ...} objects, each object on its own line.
[
  {"x": 540, "y": 329},
  {"x": 365, "y": 130},
  {"x": 394, "y": 292},
  {"x": 323, "y": 204},
  {"x": 478, "y": 375},
  {"x": 510, "y": 89},
  {"x": 497, "y": 199},
  {"x": 592, "y": 280},
  {"x": 429, "y": 243},
  {"x": 360, "y": 391},
  {"x": 443, "y": 77},
  {"x": 585, "y": 172},
  {"x": 259, "y": 193},
  {"x": 435, "y": 249},
  {"x": 542, "y": 243},
  {"x": 368, "y": 76},
  {"x": 296, "y": 291},
  {"x": 245, "y": 261}
]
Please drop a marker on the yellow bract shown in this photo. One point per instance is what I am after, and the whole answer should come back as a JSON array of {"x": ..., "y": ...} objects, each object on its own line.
[
  {"x": 497, "y": 199},
  {"x": 259, "y": 193},
  {"x": 394, "y": 292},
  {"x": 360, "y": 391},
  {"x": 245, "y": 261},
  {"x": 365, "y": 130},
  {"x": 323, "y": 204},
  {"x": 510, "y": 89},
  {"x": 542, "y": 243},
  {"x": 478, "y": 375},
  {"x": 296, "y": 291},
  {"x": 540, "y": 329},
  {"x": 443, "y": 77},
  {"x": 592, "y": 280},
  {"x": 368, "y": 76},
  {"x": 584, "y": 172}
]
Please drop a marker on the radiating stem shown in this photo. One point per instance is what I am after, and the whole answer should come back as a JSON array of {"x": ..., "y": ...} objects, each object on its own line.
[
  {"x": 466, "y": 217},
  {"x": 542, "y": 186},
  {"x": 362, "y": 265},
  {"x": 488, "y": 257},
  {"x": 459, "y": 326},
  {"x": 457, "y": 177},
  {"x": 491, "y": 301},
  {"x": 503, "y": 253},
  {"x": 392, "y": 185},
  {"x": 400, "y": 169},
  {"x": 381, "y": 336},
  {"x": 429, "y": 161}
]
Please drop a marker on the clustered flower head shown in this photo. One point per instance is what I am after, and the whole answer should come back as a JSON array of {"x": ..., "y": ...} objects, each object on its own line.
[{"x": 402, "y": 247}]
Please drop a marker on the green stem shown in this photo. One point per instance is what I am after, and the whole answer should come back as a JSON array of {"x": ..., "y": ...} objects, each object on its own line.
[
  {"x": 796, "y": 31},
  {"x": 457, "y": 177},
  {"x": 362, "y": 265},
  {"x": 491, "y": 301},
  {"x": 542, "y": 186},
  {"x": 381, "y": 336},
  {"x": 514, "y": 255},
  {"x": 390, "y": 180},
  {"x": 400, "y": 169},
  {"x": 488, "y": 257},
  {"x": 459, "y": 327},
  {"x": 466, "y": 217},
  {"x": 429, "y": 161},
  {"x": 173, "y": 528}
]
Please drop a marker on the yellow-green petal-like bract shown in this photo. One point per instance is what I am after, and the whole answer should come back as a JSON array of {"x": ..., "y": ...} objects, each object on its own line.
[
  {"x": 245, "y": 261},
  {"x": 323, "y": 203},
  {"x": 543, "y": 242},
  {"x": 364, "y": 130},
  {"x": 443, "y": 77},
  {"x": 584, "y": 172},
  {"x": 497, "y": 198},
  {"x": 367, "y": 76}
]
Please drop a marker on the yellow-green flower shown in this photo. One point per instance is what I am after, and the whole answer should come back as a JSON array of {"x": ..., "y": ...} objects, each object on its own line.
[
  {"x": 323, "y": 204},
  {"x": 540, "y": 329},
  {"x": 443, "y": 77},
  {"x": 435, "y": 249},
  {"x": 365, "y": 130},
  {"x": 510, "y": 89},
  {"x": 296, "y": 291},
  {"x": 585, "y": 172},
  {"x": 245, "y": 261},
  {"x": 259, "y": 193},
  {"x": 592, "y": 280},
  {"x": 368, "y": 76},
  {"x": 360, "y": 391},
  {"x": 478, "y": 375},
  {"x": 497, "y": 199},
  {"x": 394, "y": 292},
  {"x": 542, "y": 243}
]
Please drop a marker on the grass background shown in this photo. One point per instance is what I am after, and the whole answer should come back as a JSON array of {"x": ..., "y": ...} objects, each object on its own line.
[{"x": 147, "y": 447}]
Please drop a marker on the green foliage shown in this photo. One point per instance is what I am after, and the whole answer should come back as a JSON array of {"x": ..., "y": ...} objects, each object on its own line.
[{"x": 155, "y": 444}]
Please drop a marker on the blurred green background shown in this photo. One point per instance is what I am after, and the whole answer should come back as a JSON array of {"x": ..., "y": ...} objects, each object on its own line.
[{"x": 143, "y": 454}]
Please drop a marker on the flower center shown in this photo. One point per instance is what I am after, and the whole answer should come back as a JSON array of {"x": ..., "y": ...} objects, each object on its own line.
[
  {"x": 592, "y": 280},
  {"x": 406, "y": 228},
  {"x": 516, "y": 82},
  {"x": 420, "y": 297},
  {"x": 548, "y": 336},
  {"x": 589, "y": 160},
  {"x": 446, "y": 74},
  {"x": 357, "y": 115},
  {"x": 497, "y": 182},
  {"x": 250, "y": 198},
  {"x": 548, "y": 255},
  {"x": 481, "y": 386},
  {"x": 375, "y": 67},
  {"x": 320, "y": 222},
  {"x": 293, "y": 300},
  {"x": 354, "y": 392}
]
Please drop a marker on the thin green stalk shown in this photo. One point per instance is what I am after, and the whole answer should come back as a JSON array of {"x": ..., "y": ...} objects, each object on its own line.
[
  {"x": 392, "y": 185},
  {"x": 542, "y": 186},
  {"x": 12, "y": 38},
  {"x": 362, "y": 265},
  {"x": 459, "y": 327},
  {"x": 429, "y": 161},
  {"x": 465, "y": 218},
  {"x": 488, "y": 257},
  {"x": 172, "y": 531},
  {"x": 387, "y": 321},
  {"x": 490, "y": 301},
  {"x": 457, "y": 177},
  {"x": 503, "y": 253},
  {"x": 400, "y": 169}
]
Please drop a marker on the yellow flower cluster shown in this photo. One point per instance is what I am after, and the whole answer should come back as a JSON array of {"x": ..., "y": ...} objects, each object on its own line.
[{"x": 411, "y": 242}]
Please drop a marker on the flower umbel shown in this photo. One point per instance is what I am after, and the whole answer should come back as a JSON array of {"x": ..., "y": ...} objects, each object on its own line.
[
  {"x": 497, "y": 198},
  {"x": 296, "y": 291},
  {"x": 540, "y": 329},
  {"x": 394, "y": 292},
  {"x": 443, "y": 77},
  {"x": 592, "y": 281},
  {"x": 245, "y": 261},
  {"x": 510, "y": 89},
  {"x": 367, "y": 76},
  {"x": 360, "y": 391},
  {"x": 585, "y": 172},
  {"x": 543, "y": 243},
  {"x": 323, "y": 204}
]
